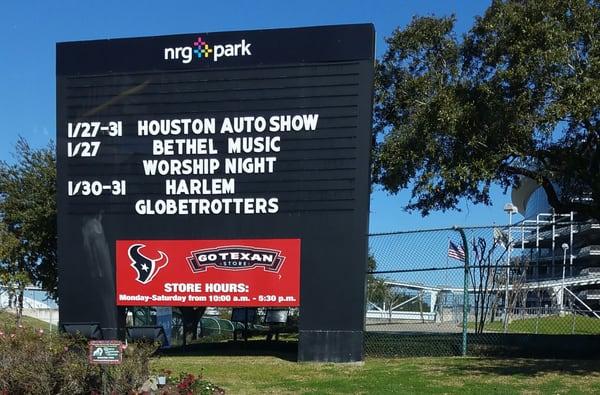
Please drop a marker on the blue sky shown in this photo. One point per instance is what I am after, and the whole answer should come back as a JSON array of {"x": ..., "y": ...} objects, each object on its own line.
[{"x": 30, "y": 29}]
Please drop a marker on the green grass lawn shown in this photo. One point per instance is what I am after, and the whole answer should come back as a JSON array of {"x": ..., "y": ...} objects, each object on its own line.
[
  {"x": 447, "y": 375},
  {"x": 553, "y": 325},
  {"x": 7, "y": 319}
]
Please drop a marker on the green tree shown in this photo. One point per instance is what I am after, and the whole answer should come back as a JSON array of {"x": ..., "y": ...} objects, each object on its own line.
[
  {"x": 377, "y": 291},
  {"x": 13, "y": 277},
  {"x": 28, "y": 220},
  {"x": 516, "y": 96}
]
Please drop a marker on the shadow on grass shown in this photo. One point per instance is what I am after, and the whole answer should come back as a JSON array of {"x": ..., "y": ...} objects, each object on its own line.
[
  {"x": 523, "y": 367},
  {"x": 513, "y": 345},
  {"x": 286, "y": 350}
]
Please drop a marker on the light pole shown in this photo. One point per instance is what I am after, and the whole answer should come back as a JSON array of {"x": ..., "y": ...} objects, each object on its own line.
[
  {"x": 510, "y": 209},
  {"x": 565, "y": 247}
]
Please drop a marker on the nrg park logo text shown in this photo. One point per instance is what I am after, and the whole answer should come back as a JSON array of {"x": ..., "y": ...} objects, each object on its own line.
[{"x": 202, "y": 50}]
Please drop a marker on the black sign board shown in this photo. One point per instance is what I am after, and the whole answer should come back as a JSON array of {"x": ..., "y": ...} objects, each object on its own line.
[
  {"x": 105, "y": 352},
  {"x": 232, "y": 137}
]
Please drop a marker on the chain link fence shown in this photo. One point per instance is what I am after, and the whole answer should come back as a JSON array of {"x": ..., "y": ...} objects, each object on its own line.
[{"x": 522, "y": 289}]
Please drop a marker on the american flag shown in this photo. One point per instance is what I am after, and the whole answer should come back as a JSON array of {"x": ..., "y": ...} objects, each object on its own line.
[{"x": 456, "y": 252}]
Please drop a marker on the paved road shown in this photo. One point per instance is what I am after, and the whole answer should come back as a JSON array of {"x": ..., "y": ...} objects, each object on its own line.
[{"x": 412, "y": 326}]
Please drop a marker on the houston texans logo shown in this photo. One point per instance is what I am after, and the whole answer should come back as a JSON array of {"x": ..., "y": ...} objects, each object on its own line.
[{"x": 145, "y": 267}]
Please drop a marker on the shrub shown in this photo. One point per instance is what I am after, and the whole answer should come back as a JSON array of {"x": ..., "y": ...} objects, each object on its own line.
[{"x": 35, "y": 362}]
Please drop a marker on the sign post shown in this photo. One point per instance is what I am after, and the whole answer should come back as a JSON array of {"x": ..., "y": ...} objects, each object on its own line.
[
  {"x": 218, "y": 169},
  {"x": 105, "y": 352}
]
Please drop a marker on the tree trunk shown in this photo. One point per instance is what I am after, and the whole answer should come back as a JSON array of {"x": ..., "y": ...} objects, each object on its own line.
[{"x": 19, "y": 307}]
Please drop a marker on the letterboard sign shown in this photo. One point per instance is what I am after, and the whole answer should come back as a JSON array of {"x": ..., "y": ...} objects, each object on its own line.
[{"x": 216, "y": 169}]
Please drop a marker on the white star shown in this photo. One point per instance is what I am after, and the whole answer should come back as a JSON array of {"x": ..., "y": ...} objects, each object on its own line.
[{"x": 144, "y": 267}]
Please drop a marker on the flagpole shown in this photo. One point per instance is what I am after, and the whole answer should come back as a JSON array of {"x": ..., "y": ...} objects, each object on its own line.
[
  {"x": 447, "y": 263},
  {"x": 510, "y": 209},
  {"x": 465, "y": 289}
]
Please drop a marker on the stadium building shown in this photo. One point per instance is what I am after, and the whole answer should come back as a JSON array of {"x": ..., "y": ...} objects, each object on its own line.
[{"x": 556, "y": 255}]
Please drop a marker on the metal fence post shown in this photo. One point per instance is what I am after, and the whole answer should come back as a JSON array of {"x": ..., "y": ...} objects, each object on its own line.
[{"x": 465, "y": 290}]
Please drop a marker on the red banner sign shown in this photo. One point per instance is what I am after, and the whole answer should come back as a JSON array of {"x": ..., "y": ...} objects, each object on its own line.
[{"x": 260, "y": 272}]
